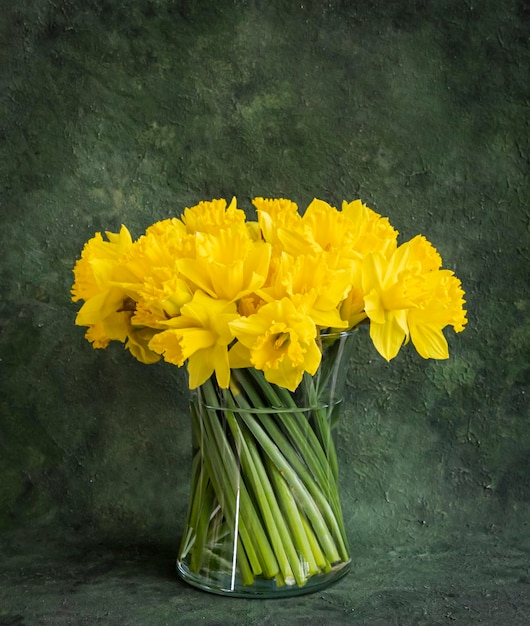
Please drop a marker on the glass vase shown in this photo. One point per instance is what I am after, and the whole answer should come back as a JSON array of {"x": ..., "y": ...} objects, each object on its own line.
[{"x": 264, "y": 516}]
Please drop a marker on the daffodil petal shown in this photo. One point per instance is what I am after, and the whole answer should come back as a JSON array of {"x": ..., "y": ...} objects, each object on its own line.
[
  {"x": 429, "y": 341},
  {"x": 239, "y": 356},
  {"x": 388, "y": 337},
  {"x": 199, "y": 369},
  {"x": 99, "y": 307},
  {"x": 138, "y": 345},
  {"x": 167, "y": 343}
]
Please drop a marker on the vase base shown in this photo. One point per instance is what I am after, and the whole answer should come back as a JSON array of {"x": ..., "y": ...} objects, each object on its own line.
[{"x": 261, "y": 587}]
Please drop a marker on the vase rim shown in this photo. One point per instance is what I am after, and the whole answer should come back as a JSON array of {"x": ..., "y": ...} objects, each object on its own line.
[
  {"x": 336, "y": 333},
  {"x": 272, "y": 409}
]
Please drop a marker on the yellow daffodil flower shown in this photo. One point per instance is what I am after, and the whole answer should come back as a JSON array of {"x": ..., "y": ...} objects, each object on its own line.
[
  {"x": 371, "y": 231},
  {"x": 162, "y": 290},
  {"x": 99, "y": 264},
  {"x": 169, "y": 232},
  {"x": 215, "y": 291},
  {"x": 307, "y": 279},
  {"x": 99, "y": 274},
  {"x": 210, "y": 217},
  {"x": 322, "y": 229},
  {"x": 278, "y": 339},
  {"x": 159, "y": 299},
  {"x": 408, "y": 291},
  {"x": 136, "y": 339},
  {"x": 337, "y": 241},
  {"x": 327, "y": 228},
  {"x": 228, "y": 264},
  {"x": 276, "y": 215},
  {"x": 200, "y": 335},
  {"x": 351, "y": 309},
  {"x": 441, "y": 305},
  {"x": 163, "y": 243}
]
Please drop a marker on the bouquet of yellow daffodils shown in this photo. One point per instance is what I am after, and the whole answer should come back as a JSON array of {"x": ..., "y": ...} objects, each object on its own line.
[
  {"x": 250, "y": 307},
  {"x": 216, "y": 291}
]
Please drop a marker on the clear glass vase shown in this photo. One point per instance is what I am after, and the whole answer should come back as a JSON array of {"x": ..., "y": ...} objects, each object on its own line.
[{"x": 264, "y": 516}]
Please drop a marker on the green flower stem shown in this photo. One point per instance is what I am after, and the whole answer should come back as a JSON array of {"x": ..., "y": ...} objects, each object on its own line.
[
  {"x": 247, "y": 559},
  {"x": 295, "y": 483},
  {"x": 202, "y": 505},
  {"x": 320, "y": 559},
  {"x": 224, "y": 490},
  {"x": 231, "y": 481},
  {"x": 298, "y": 566},
  {"x": 295, "y": 422},
  {"x": 264, "y": 490},
  {"x": 294, "y": 519},
  {"x": 258, "y": 479},
  {"x": 201, "y": 520},
  {"x": 204, "y": 526},
  {"x": 324, "y": 488},
  {"x": 321, "y": 419},
  {"x": 323, "y": 446},
  {"x": 319, "y": 489},
  {"x": 322, "y": 453},
  {"x": 193, "y": 505},
  {"x": 245, "y": 569},
  {"x": 281, "y": 397}
]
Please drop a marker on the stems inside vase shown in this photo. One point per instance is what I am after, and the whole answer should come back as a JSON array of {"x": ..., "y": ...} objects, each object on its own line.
[{"x": 264, "y": 502}]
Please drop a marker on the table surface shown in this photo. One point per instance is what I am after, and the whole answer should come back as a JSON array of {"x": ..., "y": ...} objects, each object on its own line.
[{"x": 72, "y": 578}]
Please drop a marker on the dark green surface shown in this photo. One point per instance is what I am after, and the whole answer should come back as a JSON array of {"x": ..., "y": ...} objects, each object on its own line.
[
  {"x": 86, "y": 581},
  {"x": 127, "y": 112}
]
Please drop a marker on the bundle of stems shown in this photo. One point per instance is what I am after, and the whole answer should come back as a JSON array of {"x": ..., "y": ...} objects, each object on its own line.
[{"x": 264, "y": 499}]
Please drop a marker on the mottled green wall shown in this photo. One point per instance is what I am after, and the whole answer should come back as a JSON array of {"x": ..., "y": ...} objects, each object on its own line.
[{"x": 129, "y": 111}]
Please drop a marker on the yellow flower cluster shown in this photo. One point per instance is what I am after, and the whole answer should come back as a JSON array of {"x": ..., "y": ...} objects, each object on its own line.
[{"x": 216, "y": 291}]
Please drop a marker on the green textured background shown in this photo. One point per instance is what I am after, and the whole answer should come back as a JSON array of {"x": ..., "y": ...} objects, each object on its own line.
[{"x": 127, "y": 112}]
